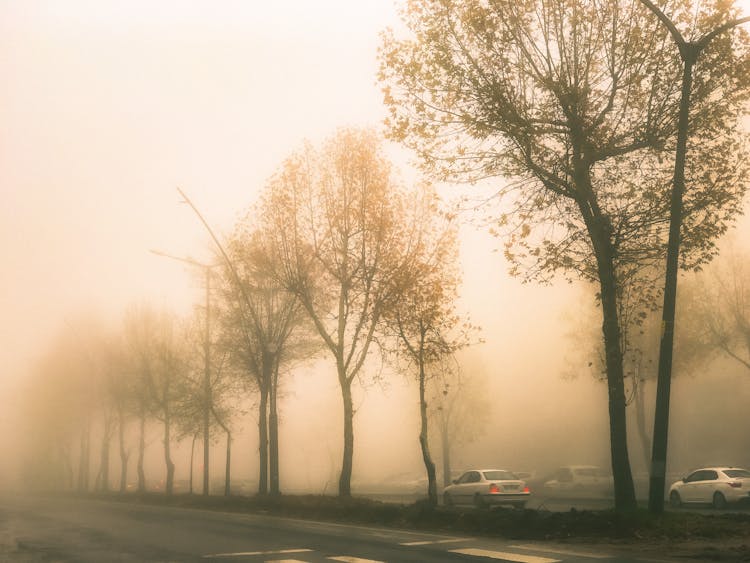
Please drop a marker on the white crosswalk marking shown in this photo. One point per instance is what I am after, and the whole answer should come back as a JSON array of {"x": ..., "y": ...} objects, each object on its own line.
[
  {"x": 505, "y": 556},
  {"x": 561, "y": 551},
  {"x": 246, "y": 553},
  {"x": 347, "y": 559},
  {"x": 431, "y": 542}
]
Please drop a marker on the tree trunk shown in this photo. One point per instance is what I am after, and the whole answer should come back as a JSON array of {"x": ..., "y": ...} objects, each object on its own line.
[
  {"x": 104, "y": 457},
  {"x": 263, "y": 443},
  {"x": 83, "y": 460},
  {"x": 68, "y": 466},
  {"x": 640, "y": 413},
  {"x": 446, "y": 444},
  {"x": 192, "y": 463},
  {"x": 423, "y": 440},
  {"x": 169, "y": 485},
  {"x": 657, "y": 478},
  {"x": 623, "y": 478},
  {"x": 599, "y": 228},
  {"x": 273, "y": 438},
  {"x": 228, "y": 467},
  {"x": 141, "y": 453},
  {"x": 124, "y": 454},
  {"x": 208, "y": 400},
  {"x": 345, "y": 480},
  {"x": 206, "y": 450}
]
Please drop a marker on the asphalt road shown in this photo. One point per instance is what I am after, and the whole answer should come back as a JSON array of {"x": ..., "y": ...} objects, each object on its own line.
[{"x": 35, "y": 529}]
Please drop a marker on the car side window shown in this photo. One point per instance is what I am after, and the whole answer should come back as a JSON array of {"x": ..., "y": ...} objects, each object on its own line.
[
  {"x": 564, "y": 475},
  {"x": 474, "y": 477},
  {"x": 702, "y": 475},
  {"x": 464, "y": 478}
]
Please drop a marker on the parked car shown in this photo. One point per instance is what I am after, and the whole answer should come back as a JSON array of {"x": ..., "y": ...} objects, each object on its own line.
[
  {"x": 405, "y": 484},
  {"x": 580, "y": 479},
  {"x": 487, "y": 487},
  {"x": 712, "y": 485}
]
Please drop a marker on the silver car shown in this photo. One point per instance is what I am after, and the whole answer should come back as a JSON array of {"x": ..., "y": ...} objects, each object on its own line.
[
  {"x": 712, "y": 485},
  {"x": 487, "y": 487}
]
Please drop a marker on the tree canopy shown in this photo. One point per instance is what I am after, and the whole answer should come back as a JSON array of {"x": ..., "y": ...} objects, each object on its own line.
[
  {"x": 571, "y": 107},
  {"x": 539, "y": 93}
]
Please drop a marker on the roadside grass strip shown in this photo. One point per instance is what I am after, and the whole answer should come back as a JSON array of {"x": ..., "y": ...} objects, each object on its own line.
[
  {"x": 505, "y": 556},
  {"x": 249, "y": 553}
]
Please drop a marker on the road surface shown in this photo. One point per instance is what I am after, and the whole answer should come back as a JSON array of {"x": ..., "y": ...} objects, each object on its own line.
[{"x": 61, "y": 529}]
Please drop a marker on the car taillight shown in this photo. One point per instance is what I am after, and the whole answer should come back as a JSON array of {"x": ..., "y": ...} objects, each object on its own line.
[
  {"x": 494, "y": 488},
  {"x": 734, "y": 484},
  {"x": 526, "y": 490}
]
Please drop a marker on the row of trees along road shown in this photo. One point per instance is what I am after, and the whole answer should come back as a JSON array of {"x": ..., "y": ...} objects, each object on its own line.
[
  {"x": 337, "y": 259},
  {"x": 575, "y": 105},
  {"x": 350, "y": 245},
  {"x": 111, "y": 384}
]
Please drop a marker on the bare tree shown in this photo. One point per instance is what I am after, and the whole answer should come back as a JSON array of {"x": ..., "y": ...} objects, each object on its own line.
[
  {"x": 72, "y": 391},
  {"x": 51, "y": 407},
  {"x": 715, "y": 312},
  {"x": 159, "y": 358},
  {"x": 333, "y": 216},
  {"x": 422, "y": 317},
  {"x": 459, "y": 406},
  {"x": 261, "y": 326},
  {"x": 121, "y": 392}
]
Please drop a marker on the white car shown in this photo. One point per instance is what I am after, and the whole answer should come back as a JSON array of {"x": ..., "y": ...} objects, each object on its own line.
[
  {"x": 580, "y": 480},
  {"x": 487, "y": 487},
  {"x": 712, "y": 485}
]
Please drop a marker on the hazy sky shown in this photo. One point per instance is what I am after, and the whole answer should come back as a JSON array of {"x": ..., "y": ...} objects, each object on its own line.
[{"x": 107, "y": 106}]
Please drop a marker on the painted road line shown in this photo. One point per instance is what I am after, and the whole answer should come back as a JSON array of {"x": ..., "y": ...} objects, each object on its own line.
[
  {"x": 284, "y": 561},
  {"x": 503, "y": 555},
  {"x": 347, "y": 559},
  {"x": 561, "y": 551},
  {"x": 431, "y": 542},
  {"x": 247, "y": 553}
]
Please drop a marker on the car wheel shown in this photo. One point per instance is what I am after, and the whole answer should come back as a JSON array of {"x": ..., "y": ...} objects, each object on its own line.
[
  {"x": 674, "y": 499},
  {"x": 447, "y": 500},
  {"x": 719, "y": 501},
  {"x": 479, "y": 501}
]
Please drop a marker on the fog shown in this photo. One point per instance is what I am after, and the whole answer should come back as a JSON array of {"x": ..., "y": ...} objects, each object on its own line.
[{"x": 107, "y": 107}]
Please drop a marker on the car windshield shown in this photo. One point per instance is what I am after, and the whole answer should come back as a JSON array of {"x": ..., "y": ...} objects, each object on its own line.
[
  {"x": 499, "y": 476},
  {"x": 737, "y": 473}
]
